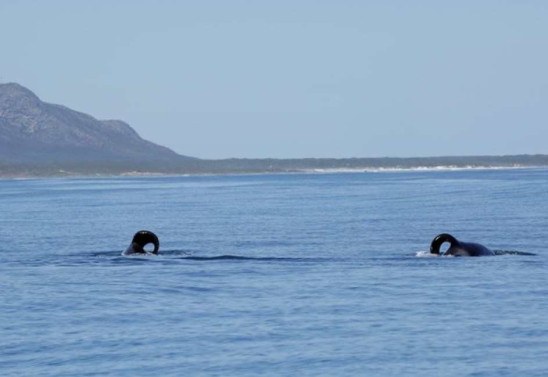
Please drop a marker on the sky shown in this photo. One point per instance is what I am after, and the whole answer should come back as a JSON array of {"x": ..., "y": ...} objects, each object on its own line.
[{"x": 293, "y": 79}]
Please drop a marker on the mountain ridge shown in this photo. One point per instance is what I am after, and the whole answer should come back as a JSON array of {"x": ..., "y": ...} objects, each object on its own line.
[{"x": 32, "y": 129}]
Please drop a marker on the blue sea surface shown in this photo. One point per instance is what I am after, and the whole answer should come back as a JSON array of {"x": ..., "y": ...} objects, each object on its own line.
[{"x": 275, "y": 275}]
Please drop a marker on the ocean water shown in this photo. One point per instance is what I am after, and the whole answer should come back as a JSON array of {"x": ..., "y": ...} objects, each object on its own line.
[{"x": 275, "y": 275}]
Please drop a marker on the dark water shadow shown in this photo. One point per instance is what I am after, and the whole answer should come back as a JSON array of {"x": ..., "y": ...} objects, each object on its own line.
[
  {"x": 258, "y": 259},
  {"x": 513, "y": 252},
  {"x": 190, "y": 255}
]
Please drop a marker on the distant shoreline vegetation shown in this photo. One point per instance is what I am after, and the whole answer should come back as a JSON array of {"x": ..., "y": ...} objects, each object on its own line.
[{"x": 262, "y": 166}]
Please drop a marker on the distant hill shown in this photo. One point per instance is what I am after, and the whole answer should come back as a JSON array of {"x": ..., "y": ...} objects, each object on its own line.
[
  {"x": 43, "y": 139},
  {"x": 40, "y": 134}
]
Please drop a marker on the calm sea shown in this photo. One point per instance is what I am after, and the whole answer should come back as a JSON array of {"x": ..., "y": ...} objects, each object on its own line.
[{"x": 275, "y": 275}]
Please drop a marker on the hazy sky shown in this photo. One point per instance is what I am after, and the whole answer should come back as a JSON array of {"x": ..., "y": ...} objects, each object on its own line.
[{"x": 216, "y": 79}]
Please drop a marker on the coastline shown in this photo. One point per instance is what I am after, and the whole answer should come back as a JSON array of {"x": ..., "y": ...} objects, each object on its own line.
[{"x": 364, "y": 170}]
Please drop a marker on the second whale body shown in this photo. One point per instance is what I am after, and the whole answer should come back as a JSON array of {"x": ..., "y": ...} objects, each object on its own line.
[{"x": 458, "y": 248}]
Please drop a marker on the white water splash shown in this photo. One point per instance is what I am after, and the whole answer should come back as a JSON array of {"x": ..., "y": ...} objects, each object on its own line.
[{"x": 425, "y": 254}]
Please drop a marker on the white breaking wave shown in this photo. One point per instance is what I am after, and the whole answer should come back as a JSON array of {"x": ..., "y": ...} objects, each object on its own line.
[
  {"x": 411, "y": 169},
  {"x": 425, "y": 254}
]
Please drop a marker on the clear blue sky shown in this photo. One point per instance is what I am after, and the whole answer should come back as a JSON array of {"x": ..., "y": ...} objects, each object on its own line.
[{"x": 216, "y": 79}]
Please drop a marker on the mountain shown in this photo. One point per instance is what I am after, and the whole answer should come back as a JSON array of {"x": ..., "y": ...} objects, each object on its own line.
[{"x": 40, "y": 134}]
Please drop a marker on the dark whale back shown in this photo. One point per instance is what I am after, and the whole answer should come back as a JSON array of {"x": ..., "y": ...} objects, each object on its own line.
[
  {"x": 458, "y": 248},
  {"x": 140, "y": 240}
]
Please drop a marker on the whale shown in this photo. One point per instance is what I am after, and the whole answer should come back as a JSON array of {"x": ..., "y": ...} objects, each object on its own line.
[
  {"x": 458, "y": 248},
  {"x": 140, "y": 240}
]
